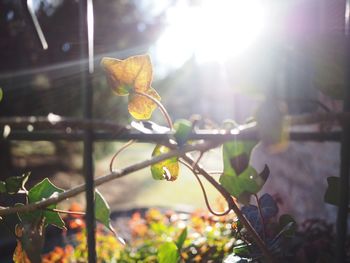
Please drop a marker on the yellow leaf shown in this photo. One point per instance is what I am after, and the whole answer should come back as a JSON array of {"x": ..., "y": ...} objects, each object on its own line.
[
  {"x": 20, "y": 256},
  {"x": 141, "y": 107},
  {"x": 131, "y": 75}
]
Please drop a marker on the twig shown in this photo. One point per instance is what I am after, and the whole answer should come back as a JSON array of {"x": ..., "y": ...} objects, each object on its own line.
[
  {"x": 261, "y": 216},
  {"x": 106, "y": 178},
  {"x": 65, "y": 211},
  {"x": 197, "y": 161}
]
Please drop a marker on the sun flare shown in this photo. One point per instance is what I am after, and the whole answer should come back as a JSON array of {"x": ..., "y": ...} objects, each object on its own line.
[{"x": 211, "y": 31}]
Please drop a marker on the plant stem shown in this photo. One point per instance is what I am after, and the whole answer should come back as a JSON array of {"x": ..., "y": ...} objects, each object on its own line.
[
  {"x": 161, "y": 107},
  {"x": 259, "y": 242},
  {"x": 65, "y": 211},
  {"x": 126, "y": 145},
  {"x": 261, "y": 216}
]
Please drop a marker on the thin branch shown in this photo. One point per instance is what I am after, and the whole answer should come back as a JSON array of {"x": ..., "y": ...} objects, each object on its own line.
[
  {"x": 65, "y": 211},
  {"x": 261, "y": 216},
  {"x": 260, "y": 243},
  {"x": 106, "y": 178},
  {"x": 197, "y": 161}
]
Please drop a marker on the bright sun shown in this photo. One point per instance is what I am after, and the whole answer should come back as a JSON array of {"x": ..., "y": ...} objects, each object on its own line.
[{"x": 214, "y": 31}]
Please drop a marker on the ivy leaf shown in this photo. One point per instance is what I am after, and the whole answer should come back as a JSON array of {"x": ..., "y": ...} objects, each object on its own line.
[
  {"x": 239, "y": 178},
  {"x": 102, "y": 211},
  {"x": 168, "y": 253},
  {"x": 182, "y": 129},
  {"x": 167, "y": 169},
  {"x": 43, "y": 190},
  {"x": 241, "y": 186},
  {"x": 131, "y": 75},
  {"x": 288, "y": 225},
  {"x": 16, "y": 183},
  {"x": 2, "y": 187},
  {"x": 29, "y": 217},
  {"x": 141, "y": 107},
  {"x": 268, "y": 208},
  {"x": 181, "y": 239},
  {"x": 332, "y": 193},
  {"x": 1, "y": 94},
  {"x": 232, "y": 151}
]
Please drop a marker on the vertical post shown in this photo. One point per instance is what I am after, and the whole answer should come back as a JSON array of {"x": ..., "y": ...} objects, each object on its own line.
[
  {"x": 86, "y": 21},
  {"x": 342, "y": 216}
]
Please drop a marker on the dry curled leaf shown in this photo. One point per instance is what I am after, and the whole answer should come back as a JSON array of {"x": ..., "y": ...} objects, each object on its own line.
[{"x": 131, "y": 77}]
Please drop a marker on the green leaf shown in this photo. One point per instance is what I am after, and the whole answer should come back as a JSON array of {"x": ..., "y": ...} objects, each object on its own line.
[
  {"x": 43, "y": 190},
  {"x": 181, "y": 239},
  {"x": 182, "y": 130},
  {"x": 287, "y": 225},
  {"x": 16, "y": 183},
  {"x": 241, "y": 186},
  {"x": 232, "y": 151},
  {"x": 1, "y": 94},
  {"x": 332, "y": 193},
  {"x": 29, "y": 217},
  {"x": 102, "y": 211},
  {"x": 239, "y": 178},
  {"x": 168, "y": 253},
  {"x": 2, "y": 187},
  {"x": 241, "y": 250},
  {"x": 167, "y": 169}
]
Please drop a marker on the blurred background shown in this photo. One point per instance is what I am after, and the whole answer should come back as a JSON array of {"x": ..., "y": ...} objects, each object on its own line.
[{"x": 219, "y": 59}]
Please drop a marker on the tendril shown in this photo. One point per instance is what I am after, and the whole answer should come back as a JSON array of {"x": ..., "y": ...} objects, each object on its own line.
[
  {"x": 126, "y": 145},
  {"x": 205, "y": 193},
  {"x": 161, "y": 108}
]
